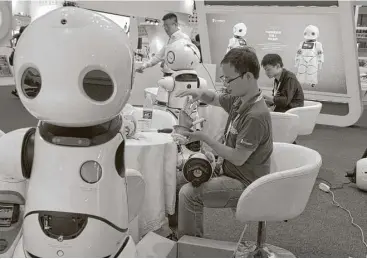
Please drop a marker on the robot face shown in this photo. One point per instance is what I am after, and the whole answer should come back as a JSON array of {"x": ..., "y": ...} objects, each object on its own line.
[
  {"x": 182, "y": 55},
  {"x": 311, "y": 32},
  {"x": 239, "y": 30},
  {"x": 73, "y": 67}
]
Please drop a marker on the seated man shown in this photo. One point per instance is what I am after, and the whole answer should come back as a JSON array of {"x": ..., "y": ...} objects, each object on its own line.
[
  {"x": 287, "y": 91},
  {"x": 248, "y": 141}
]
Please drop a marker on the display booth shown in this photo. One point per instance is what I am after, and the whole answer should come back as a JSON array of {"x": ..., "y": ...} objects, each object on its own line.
[{"x": 280, "y": 30}]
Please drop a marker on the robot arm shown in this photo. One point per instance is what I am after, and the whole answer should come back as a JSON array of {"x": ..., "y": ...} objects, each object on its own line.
[
  {"x": 202, "y": 83},
  {"x": 298, "y": 55},
  {"x": 320, "y": 54},
  {"x": 167, "y": 83},
  {"x": 16, "y": 157},
  {"x": 16, "y": 153}
]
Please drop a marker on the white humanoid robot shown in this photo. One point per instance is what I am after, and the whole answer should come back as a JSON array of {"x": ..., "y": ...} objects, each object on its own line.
[
  {"x": 182, "y": 57},
  {"x": 238, "y": 39},
  {"x": 310, "y": 57},
  {"x": 79, "y": 198}
]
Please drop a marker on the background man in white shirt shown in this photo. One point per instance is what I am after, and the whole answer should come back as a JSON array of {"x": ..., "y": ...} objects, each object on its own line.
[{"x": 170, "y": 24}]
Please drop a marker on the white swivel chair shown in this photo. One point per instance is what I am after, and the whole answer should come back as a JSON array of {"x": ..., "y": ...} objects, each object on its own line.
[
  {"x": 285, "y": 126},
  {"x": 307, "y": 115},
  {"x": 161, "y": 119},
  {"x": 2, "y": 133},
  {"x": 282, "y": 195}
]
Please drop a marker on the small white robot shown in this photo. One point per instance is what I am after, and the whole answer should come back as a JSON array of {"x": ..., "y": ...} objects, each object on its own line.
[
  {"x": 238, "y": 39},
  {"x": 310, "y": 57},
  {"x": 69, "y": 171},
  {"x": 182, "y": 57}
]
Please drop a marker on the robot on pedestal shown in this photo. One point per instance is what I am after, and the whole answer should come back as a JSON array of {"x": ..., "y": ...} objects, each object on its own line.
[
  {"x": 310, "y": 57},
  {"x": 68, "y": 174},
  {"x": 238, "y": 39}
]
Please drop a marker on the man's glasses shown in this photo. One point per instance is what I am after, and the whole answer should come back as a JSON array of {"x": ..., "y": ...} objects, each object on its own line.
[{"x": 226, "y": 81}]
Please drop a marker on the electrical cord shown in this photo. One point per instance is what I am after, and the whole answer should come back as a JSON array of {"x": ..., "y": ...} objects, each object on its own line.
[
  {"x": 239, "y": 241},
  {"x": 324, "y": 187},
  {"x": 341, "y": 186},
  {"x": 211, "y": 79}
]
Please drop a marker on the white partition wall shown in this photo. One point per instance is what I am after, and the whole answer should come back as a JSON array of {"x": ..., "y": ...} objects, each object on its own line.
[{"x": 279, "y": 29}]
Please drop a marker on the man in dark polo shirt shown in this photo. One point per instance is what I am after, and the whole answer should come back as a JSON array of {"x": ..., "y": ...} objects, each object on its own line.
[
  {"x": 287, "y": 91},
  {"x": 248, "y": 141}
]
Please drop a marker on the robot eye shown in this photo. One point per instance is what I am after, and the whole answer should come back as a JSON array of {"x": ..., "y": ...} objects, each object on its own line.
[
  {"x": 98, "y": 85},
  {"x": 240, "y": 30},
  {"x": 31, "y": 83},
  {"x": 313, "y": 34},
  {"x": 64, "y": 21}
]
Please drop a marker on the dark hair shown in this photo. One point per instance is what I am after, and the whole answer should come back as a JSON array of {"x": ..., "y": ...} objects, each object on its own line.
[
  {"x": 272, "y": 59},
  {"x": 197, "y": 38},
  {"x": 244, "y": 60},
  {"x": 170, "y": 16}
]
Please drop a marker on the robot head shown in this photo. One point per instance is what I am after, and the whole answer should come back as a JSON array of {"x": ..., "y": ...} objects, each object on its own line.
[
  {"x": 239, "y": 30},
  {"x": 74, "y": 68},
  {"x": 311, "y": 32},
  {"x": 182, "y": 55}
]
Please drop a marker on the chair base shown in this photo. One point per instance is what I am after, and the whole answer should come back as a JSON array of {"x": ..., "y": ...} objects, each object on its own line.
[{"x": 249, "y": 249}]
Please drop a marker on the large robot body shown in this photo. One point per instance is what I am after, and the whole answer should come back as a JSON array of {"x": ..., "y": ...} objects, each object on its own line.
[
  {"x": 91, "y": 196},
  {"x": 78, "y": 198},
  {"x": 236, "y": 42},
  {"x": 182, "y": 57},
  {"x": 310, "y": 57}
]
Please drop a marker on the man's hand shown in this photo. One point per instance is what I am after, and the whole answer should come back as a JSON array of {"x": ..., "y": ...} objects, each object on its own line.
[
  {"x": 194, "y": 93},
  {"x": 194, "y": 136},
  {"x": 268, "y": 100},
  {"x": 140, "y": 69}
]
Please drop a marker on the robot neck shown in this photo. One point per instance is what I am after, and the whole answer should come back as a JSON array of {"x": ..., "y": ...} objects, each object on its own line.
[
  {"x": 237, "y": 37},
  {"x": 82, "y": 136},
  {"x": 310, "y": 40}
]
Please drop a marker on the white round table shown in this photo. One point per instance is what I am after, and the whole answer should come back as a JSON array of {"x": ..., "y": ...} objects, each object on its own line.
[{"x": 154, "y": 155}]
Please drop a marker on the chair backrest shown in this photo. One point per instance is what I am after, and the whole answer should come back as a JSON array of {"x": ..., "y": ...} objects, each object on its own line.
[
  {"x": 161, "y": 119},
  {"x": 308, "y": 115},
  {"x": 284, "y": 126},
  {"x": 283, "y": 194}
]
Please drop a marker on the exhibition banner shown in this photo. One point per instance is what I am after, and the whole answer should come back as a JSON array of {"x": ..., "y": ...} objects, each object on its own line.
[{"x": 309, "y": 44}]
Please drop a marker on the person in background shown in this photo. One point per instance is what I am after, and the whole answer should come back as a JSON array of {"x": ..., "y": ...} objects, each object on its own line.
[
  {"x": 287, "y": 91},
  {"x": 14, "y": 42},
  {"x": 247, "y": 147},
  {"x": 170, "y": 24}
]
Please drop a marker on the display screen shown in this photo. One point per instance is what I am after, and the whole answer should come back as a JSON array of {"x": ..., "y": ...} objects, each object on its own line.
[
  {"x": 186, "y": 78},
  {"x": 6, "y": 215},
  {"x": 318, "y": 63}
]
